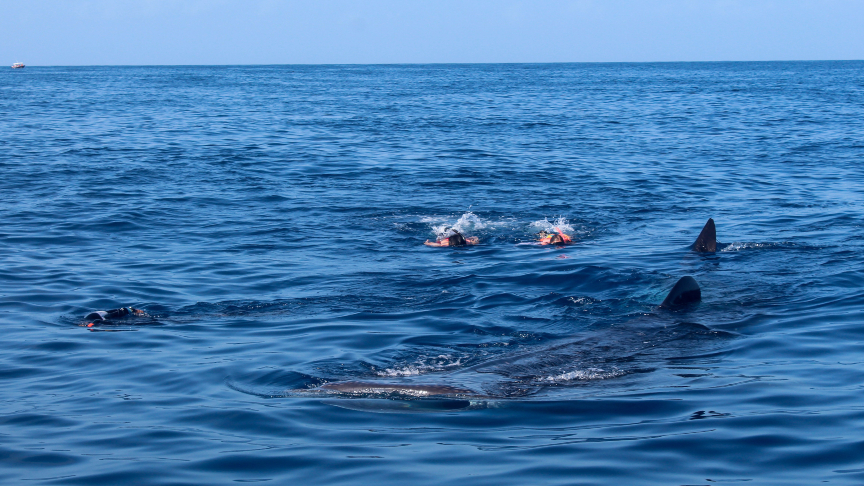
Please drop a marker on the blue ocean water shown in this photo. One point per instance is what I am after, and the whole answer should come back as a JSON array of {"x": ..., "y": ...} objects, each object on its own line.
[{"x": 270, "y": 220}]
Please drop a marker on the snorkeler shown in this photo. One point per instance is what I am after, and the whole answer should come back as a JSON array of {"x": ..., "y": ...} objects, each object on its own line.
[
  {"x": 547, "y": 238},
  {"x": 113, "y": 314},
  {"x": 455, "y": 239}
]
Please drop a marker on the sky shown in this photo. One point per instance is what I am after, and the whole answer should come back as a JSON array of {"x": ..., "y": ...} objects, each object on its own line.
[{"x": 208, "y": 32}]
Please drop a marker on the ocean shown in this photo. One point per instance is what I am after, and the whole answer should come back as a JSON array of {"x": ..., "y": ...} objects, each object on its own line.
[{"x": 270, "y": 221}]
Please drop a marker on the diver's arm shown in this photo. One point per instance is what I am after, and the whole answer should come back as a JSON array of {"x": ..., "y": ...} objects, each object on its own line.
[{"x": 116, "y": 313}]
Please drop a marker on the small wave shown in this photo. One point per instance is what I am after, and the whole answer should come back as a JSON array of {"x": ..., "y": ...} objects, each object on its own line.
[{"x": 587, "y": 374}]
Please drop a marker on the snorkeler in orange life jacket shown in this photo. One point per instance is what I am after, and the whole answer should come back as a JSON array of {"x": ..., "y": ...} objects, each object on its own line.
[
  {"x": 547, "y": 238},
  {"x": 455, "y": 239}
]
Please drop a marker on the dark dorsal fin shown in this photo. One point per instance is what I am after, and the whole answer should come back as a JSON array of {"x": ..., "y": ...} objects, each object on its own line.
[
  {"x": 707, "y": 240},
  {"x": 685, "y": 291}
]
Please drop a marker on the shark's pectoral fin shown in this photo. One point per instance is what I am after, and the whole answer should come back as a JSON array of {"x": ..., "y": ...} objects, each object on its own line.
[
  {"x": 707, "y": 240},
  {"x": 685, "y": 291}
]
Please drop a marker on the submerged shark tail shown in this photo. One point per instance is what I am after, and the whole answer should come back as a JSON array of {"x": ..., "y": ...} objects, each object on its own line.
[
  {"x": 707, "y": 240},
  {"x": 685, "y": 291}
]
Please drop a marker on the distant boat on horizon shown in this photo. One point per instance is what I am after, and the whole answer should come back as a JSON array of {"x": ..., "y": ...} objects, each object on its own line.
[{"x": 18, "y": 65}]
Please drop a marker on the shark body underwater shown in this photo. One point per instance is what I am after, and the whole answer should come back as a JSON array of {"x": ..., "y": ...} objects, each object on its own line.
[{"x": 684, "y": 293}]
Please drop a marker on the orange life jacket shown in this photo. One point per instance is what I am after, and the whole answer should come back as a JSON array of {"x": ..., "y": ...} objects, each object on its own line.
[
  {"x": 565, "y": 237},
  {"x": 546, "y": 239}
]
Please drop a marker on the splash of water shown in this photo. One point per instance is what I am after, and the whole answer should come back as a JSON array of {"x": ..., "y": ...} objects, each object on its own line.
[
  {"x": 467, "y": 224},
  {"x": 748, "y": 245},
  {"x": 549, "y": 226},
  {"x": 423, "y": 365},
  {"x": 587, "y": 374}
]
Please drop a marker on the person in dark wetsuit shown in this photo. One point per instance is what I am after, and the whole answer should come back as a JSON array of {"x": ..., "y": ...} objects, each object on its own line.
[
  {"x": 114, "y": 314},
  {"x": 455, "y": 239}
]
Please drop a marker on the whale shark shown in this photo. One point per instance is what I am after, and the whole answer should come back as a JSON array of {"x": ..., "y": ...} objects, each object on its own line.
[{"x": 684, "y": 293}]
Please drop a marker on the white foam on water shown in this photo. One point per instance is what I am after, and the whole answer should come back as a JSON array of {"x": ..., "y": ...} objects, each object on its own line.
[
  {"x": 746, "y": 245},
  {"x": 423, "y": 365},
  {"x": 467, "y": 224},
  {"x": 549, "y": 226},
  {"x": 586, "y": 374}
]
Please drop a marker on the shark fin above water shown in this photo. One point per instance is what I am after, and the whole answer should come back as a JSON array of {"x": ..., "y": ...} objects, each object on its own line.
[
  {"x": 707, "y": 240},
  {"x": 685, "y": 291}
]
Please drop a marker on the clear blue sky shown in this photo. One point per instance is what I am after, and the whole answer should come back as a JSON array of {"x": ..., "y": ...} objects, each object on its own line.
[{"x": 87, "y": 32}]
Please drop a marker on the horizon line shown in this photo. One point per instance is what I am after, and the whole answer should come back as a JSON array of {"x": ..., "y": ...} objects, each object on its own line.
[{"x": 441, "y": 63}]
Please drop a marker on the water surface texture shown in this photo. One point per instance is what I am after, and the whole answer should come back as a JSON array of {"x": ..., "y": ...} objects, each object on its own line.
[{"x": 270, "y": 221}]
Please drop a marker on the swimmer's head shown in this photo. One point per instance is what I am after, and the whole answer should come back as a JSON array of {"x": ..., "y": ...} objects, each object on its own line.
[
  {"x": 456, "y": 239},
  {"x": 556, "y": 240}
]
